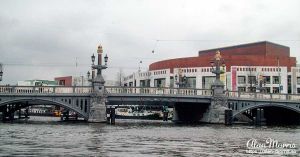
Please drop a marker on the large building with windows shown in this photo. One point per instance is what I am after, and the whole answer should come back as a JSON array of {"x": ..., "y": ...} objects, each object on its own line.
[{"x": 261, "y": 67}]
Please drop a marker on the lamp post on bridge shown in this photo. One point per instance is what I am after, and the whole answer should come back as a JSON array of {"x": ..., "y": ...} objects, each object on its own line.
[
  {"x": 98, "y": 82},
  {"x": 216, "y": 63},
  {"x": 1, "y": 72},
  {"x": 218, "y": 111},
  {"x": 98, "y": 109}
]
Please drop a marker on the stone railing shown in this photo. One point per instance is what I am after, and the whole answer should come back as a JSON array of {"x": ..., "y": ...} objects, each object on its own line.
[
  {"x": 45, "y": 89},
  {"x": 158, "y": 91},
  {"x": 263, "y": 96}
]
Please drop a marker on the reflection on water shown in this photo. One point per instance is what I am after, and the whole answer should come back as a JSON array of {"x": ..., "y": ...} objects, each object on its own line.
[{"x": 44, "y": 137}]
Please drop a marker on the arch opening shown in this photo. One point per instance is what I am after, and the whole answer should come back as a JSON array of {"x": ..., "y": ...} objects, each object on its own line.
[
  {"x": 10, "y": 108},
  {"x": 269, "y": 115}
]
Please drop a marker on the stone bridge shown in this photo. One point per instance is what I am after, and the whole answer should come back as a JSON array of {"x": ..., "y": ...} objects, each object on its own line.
[{"x": 79, "y": 99}]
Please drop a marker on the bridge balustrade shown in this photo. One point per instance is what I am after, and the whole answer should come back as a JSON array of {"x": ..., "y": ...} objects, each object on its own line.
[
  {"x": 44, "y": 89},
  {"x": 263, "y": 96},
  {"x": 157, "y": 91}
]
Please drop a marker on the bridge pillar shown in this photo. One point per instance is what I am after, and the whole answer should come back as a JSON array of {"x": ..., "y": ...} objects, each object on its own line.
[
  {"x": 108, "y": 115},
  {"x": 20, "y": 113},
  {"x": 112, "y": 115},
  {"x": 259, "y": 119},
  {"x": 97, "y": 109},
  {"x": 228, "y": 117},
  {"x": 165, "y": 113},
  {"x": 216, "y": 110},
  {"x": 165, "y": 116},
  {"x": 26, "y": 112},
  {"x": 4, "y": 113}
]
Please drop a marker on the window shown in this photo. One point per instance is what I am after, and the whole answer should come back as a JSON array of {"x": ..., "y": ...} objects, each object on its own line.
[
  {"x": 267, "y": 79},
  {"x": 268, "y": 90},
  {"x": 191, "y": 82},
  {"x": 207, "y": 81},
  {"x": 62, "y": 82},
  {"x": 276, "y": 80},
  {"x": 298, "y": 80},
  {"x": 241, "y": 89},
  {"x": 241, "y": 79},
  {"x": 251, "y": 89},
  {"x": 298, "y": 90},
  {"x": 275, "y": 89},
  {"x": 251, "y": 80}
]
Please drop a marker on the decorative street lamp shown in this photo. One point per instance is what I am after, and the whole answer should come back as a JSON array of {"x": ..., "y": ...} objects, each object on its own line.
[
  {"x": 93, "y": 59},
  {"x": 98, "y": 81},
  {"x": 97, "y": 111},
  {"x": 216, "y": 63},
  {"x": 1, "y": 72},
  {"x": 88, "y": 74}
]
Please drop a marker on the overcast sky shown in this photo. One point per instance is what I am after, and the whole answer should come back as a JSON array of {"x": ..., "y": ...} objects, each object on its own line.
[{"x": 42, "y": 39}]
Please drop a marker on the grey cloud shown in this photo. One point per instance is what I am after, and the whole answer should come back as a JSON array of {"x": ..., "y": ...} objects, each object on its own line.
[{"x": 40, "y": 34}]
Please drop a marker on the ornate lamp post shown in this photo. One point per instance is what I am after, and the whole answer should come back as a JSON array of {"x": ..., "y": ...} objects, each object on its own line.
[
  {"x": 98, "y": 81},
  {"x": 216, "y": 63},
  {"x": 98, "y": 109},
  {"x": 1, "y": 72}
]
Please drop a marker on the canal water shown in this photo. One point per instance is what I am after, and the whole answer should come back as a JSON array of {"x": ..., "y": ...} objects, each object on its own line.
[{"x": 45, "y": 137}]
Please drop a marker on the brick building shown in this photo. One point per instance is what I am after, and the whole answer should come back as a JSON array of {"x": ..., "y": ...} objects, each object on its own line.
[{"x": 249, "y": 67}]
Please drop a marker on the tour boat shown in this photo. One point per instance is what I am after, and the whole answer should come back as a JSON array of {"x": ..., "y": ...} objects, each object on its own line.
[{"x": 129, "y": 113}]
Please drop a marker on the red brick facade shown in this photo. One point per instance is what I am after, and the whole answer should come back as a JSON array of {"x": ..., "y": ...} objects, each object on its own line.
[
  {"x": 64, "y": 81},
  {"x": 253, "y": 54}
]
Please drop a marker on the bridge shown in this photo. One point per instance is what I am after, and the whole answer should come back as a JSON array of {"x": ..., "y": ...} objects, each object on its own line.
[
  {"x": 78, "y": 99},
  {"x": 97, "y": 103}
]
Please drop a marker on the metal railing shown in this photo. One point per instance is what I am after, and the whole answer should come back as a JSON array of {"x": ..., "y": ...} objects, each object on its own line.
[
  {"x": 45, "y": 89},
  {"x": 158, "y": 91},
  {"x": 264, "y": 96}
]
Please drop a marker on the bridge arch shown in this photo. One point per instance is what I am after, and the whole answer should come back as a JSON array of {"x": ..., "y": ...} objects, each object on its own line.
[
  {"x": 49, "y": 102},
  {"x": 280, "y": 105}
]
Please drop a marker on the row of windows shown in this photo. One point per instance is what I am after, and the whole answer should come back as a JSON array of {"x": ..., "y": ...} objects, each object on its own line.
[
  {"x": 246, "y": 69},
  {"x": 145, "y": 74},
  {"x": 265, "y": 89},
  {"x": 263, "y": 69},
  {"x": 271, "y": 69},
  {"x": 189, "y": 70},
  {"x": 265, "y": 80},
  {"x": 206, "y": 69},
  {"x": 160, "y": 72}
]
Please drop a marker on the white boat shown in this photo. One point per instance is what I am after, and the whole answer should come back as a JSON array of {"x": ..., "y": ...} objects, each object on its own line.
[{"x": 129, "y": 113}]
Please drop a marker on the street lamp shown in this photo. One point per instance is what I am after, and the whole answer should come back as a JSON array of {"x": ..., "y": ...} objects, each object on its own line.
[
  {"x": 93, "y": 59},
  {"x": 98, "y": 81},
  {"x": 88, "y": 74},
  {"x": 1, "y": 72},
  {"x": 105, "y": 59}
]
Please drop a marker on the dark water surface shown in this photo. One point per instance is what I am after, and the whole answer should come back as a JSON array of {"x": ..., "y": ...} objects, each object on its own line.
[{"x": 134, "y": 138}]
